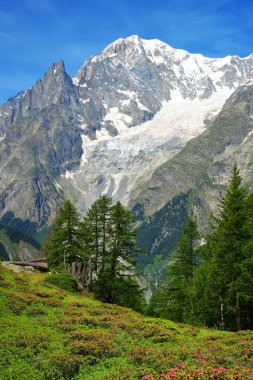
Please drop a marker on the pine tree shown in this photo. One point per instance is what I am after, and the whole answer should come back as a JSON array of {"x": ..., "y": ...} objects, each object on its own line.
[
  {"x": 228, "y": 269},
  {"x": 172, "y": 300},
  {"x": 247, "y": 267},
  {"x": 205, "y": 299},
  {"x": 107, "y": 236},
  {"x": 64, "y": 243},
  {"x": 232, "y": 235},
  {"x": 122, "y": 242},
  {"x": 96, "y": 224},
  {"x": 117, "y": 262}
]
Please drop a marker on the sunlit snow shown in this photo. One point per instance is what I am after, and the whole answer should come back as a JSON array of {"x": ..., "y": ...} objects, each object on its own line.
[{"x": 124, "y": 160}]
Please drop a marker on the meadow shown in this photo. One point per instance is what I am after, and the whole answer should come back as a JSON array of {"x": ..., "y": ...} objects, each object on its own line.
[{"x": 50, "y": 333}]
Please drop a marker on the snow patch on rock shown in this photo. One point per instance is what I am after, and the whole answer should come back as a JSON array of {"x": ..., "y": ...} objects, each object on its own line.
[{"x": 114, "y": 165}]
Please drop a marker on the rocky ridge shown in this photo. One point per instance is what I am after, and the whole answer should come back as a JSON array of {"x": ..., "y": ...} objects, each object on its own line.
[{"x": 135, "y": 105}]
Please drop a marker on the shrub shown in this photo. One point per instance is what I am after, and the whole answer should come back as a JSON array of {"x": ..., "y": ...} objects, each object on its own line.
[
  {"x": 64, "y": 281},
  {"x": 16, "y": 306},
  {"x": 94, "y": 343},
  {"x": 34, "y": 311},
  {"x": 64, "y": 366}
]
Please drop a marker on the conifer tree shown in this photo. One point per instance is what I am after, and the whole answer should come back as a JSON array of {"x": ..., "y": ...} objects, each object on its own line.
[
  {"x": 115, "y": 275},
  {"x": 227, "y": 270},
  {"x": 122, "y": 241},
  {"x": 64, "y": 243},
  {"x": 106, "y": 235},
  {"x": 97, "y": 224},
  {"x": 232, "y": 235},
  {"x": 172, "y": 300}
]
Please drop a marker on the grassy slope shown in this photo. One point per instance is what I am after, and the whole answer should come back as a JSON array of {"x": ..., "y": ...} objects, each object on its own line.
[{"x": 47, "y": 333}]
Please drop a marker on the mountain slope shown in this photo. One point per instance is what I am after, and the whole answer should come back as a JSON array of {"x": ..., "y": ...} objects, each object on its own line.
[
  {"x": 15, "y": 245},
  {"x": 136, "y": 104},
  {"x": 201, "y": 170},
  {"x": 40, "y": 141},
  {"x": 187, "y": 90},
  {"x": 47, "y": 332}
]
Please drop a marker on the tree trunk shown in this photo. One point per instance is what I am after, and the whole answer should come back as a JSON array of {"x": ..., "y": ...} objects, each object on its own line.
[
  {"x": 73, "y": 268},
  {"x": 222, "y": 313},
  {"x": 89, "y": 274},
  {"x": 64, "y": 260},
  {"x": 238, "y": 314}
]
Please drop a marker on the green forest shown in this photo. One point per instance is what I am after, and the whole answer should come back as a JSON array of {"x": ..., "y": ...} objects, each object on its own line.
[
  {"x": 210, "y": 281},
  {"x": 196, "y": 325},
  {"x": 106, "y": 237},
  {"x": 210, "y": 276}
]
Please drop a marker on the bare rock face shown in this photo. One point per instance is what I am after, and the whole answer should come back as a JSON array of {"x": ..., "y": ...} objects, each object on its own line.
[
  {"x": 40, "y": 140},
  {"x": 126, "y": 112}
]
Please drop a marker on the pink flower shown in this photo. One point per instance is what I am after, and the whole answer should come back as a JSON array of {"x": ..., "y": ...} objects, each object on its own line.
[{"x": 146, "y": 377}]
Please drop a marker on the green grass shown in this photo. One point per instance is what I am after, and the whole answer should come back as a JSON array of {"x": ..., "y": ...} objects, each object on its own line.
[{"x": 50, "y": 333}]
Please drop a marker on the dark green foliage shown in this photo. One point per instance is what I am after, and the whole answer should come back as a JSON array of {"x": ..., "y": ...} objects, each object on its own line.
[
  {"x": 115, "y": 250},
  {"x": 63, "y": 280},
  {"x": 122, "y": 243},
  {"x": 172, "y": 300},
  {"x": 151, "y": 234},
  {"x": 107, "y": 236},
  {"x": 231, "y": 257},
  {"x": 64, "y": 244},
  {"x": 213, "y": 285},
  {"x": 120, "y": 291},
  {"x": 96, "y": 231},
  {"x": 228, "y": 283}
]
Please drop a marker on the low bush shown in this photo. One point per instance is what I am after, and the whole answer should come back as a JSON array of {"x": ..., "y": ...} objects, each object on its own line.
[{"x": 63, "y": 280}]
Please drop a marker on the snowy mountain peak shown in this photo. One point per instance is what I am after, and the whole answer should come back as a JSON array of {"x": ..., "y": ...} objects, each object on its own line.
[
  {"x": 129, "y": 81},
  {"x": 132, "y": 106},
  {"x": 129, "y": 49}
]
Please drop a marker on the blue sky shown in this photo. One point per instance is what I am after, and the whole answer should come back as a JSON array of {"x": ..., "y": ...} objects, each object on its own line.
[{"x": 35, "y": 33}]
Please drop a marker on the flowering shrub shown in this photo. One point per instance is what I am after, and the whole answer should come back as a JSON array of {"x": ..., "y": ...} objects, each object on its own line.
[
  {"x": 93, "y": 343},
  {"x": 181, "y": 372},
  {"x": 64, "y": 365},
  {"x": 48, "y": 333}
]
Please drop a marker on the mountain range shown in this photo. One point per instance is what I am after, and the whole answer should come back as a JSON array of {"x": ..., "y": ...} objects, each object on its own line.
[{"x": 155, "y": 127}]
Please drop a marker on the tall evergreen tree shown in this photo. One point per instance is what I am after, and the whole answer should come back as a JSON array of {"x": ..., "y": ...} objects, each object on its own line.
[
  {"x": 117, "y": 262},
  {"x": 230, "y": 250},
  {"x": 205, "y": 298},
  {"x": 227, "y": 272},
  {"x": 97, "y": 223},
  {"x": 172, "y": 300},
  {"x": 64, "y": 244},
  {"x": 106, "y": 235},
  {"x": 123, "y": 246}
]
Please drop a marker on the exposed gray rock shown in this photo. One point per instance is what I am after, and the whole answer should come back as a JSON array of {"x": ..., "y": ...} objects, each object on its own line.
[{"x": 70, "y": 137}]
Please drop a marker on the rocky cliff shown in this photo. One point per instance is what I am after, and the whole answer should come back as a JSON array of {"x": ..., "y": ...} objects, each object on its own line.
[{"x": 116, "y": 127}]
